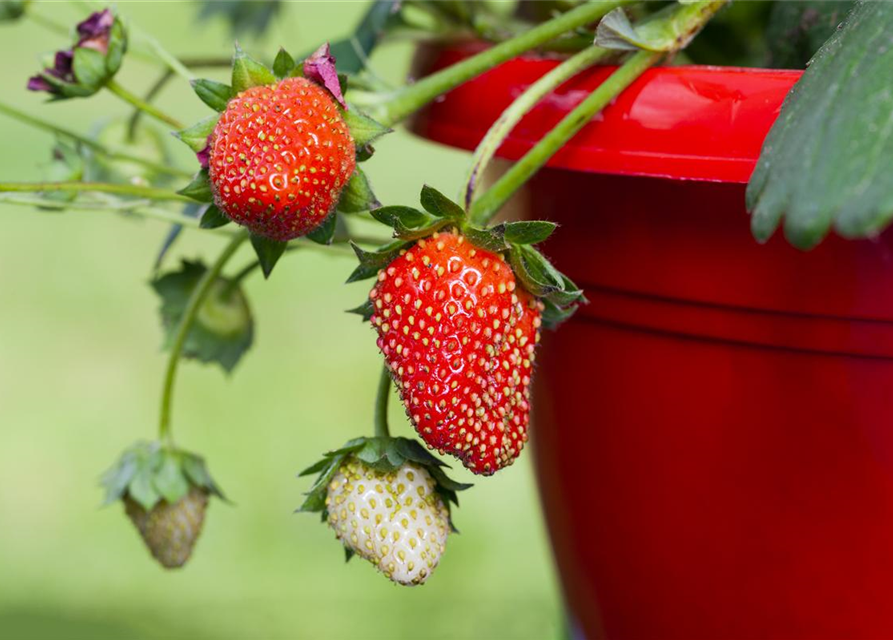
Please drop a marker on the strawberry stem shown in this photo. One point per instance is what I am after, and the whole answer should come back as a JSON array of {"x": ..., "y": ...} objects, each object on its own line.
[
  {"x": 381, "y": 404},
  {"x": 394, "y": 107},
  {"x": 202, "y": 288},
  {"x": 142, "y": 105},
  {"x": 500, "y": 129},
  {"x": 150, "y": 193},
  {"x": 91, "y": 144}
]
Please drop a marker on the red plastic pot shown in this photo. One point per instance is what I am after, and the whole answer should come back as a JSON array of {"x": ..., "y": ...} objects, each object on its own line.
[{"x": 714, "y": 432}]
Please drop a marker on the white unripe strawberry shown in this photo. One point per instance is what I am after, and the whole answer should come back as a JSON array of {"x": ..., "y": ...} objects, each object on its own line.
[{"x": 396, "y": 520}]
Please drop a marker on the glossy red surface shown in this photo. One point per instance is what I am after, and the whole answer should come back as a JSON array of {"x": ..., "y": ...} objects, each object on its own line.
[
  {"x": 703, "y": 123},
  {"x": 713, "y": 434}
]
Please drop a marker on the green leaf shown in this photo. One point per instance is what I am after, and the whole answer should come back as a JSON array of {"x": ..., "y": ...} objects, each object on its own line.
[
  {"x": 325, "y": 233},
  {"x": 408, "y": 217},
  {"x": 214, "y": 94},
  {"x": 363, "y": 129},
  {"x": 435, "y": 203},
  {"x": 268, "y": 252},
  {"x": 348, "y": 554},
  {"x": 199, "y": 189},
  {"x": 89, "y": 67},
  {"x": 826, "y": 159},
  {"x": 142, "y": 489},
  {"x": 284, "y": 64},
  {"x": 224, "y": 327},
  {"x": 197, "y": 472},
  {"x": 373, "y": 261},
  {"x": 616, "y": 32},
  {"x": 196, "y": 136},
  {"x": 353, "y": 51},
  {"x": 357, "y": 195},
  {"x": 491, "y": 239},
  {"x": 796, "y": 30},
  {"x": 528, "y": 232},
  {"x": 365, "y": 310},
  {"x": 532, "y": 272},
  {"x": 248, "y": 72},
  {"x": 213, "y": 218},
  {"x": 169, "y": 480}
]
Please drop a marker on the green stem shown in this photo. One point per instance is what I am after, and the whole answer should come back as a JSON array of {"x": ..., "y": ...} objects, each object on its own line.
[
  {"x": 153, "y": 91},
  {"x": 92, "y": 144},
  {"x": 100, "y": 187},
  {"x": 48, "y": 23},
  {"x": 411, "y": 98},
  {"x": 137, "y": 102},
  {"x": 485, "y": 207},
  {"x": 381, "y": 404},
  {"x": 202, "y": 288},
  {"x": 500, "y": 129}
]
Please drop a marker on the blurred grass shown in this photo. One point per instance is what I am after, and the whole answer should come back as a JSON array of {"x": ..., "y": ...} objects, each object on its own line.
[{"x": 80, "y": 373}]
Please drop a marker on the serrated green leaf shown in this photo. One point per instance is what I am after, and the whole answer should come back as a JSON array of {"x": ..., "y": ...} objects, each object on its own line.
[
  {"x": 796, "y": 30},
  {"x": 357, "y": 195},
  {"x": 363, "y": 129},
  {"x": 89, "y": 67},
  {"x": 169, "y": 480},
  {"x": 268, "y": 252},
  {"x": 199, "y": 189},
  {"x": 437, "y": 204},
  {"x": 491, "y": 239},
  {"x": 248, "y": 72},
  {"x": 528, "y": 232},
  {"x": 284, "y": 64},
  {"x": 325, "y": 233},
  {"x": 213, "y": 218},
  {"x": 214, "y": 94},
  {"x": 824, "y": 161},
  {"x": 196, "y": 136}
]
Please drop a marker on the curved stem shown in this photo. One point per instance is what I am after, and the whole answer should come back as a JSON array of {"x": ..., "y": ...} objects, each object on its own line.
[
  {"x": 48, "y": 23},
  {"x": 91, "y": 144},
  {"x": 192, "y": 306},
  {"x": 500, "y": 129},
  {"x": 404, "y": 102},
  {"x": 153, "y": 91},
  {"x": 101, "y": 187},
  {"x": 137, "y": 102},
  {"x": 381, "y": 404},
  {"x": 485, "y": 207}
]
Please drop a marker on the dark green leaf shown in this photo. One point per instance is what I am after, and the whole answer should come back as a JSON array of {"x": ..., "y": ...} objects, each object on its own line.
[
  {"x": 825, "y": 160},
  {"x": 196, "y": 136},
  {"x": 199, "y": 189},
  {"x": 348, "y": 554},
  {"x": 371, "y": 262},
  {"x": 325, "y": 233},
  {"x": 491, "y": 239},
  {"x": 357, "y": 195},
  {"x": 284, "y": 64},
  {"x": 435, "y": 203},
  {"x": 268, "y": 252},
  {"x": 796, "y": 30},
  {"x": 530, "y": 232},
  {"x": 352, "y": 52},
  {"x": 316, "y": 467},
  {"x": 363, "y": 129},
  {"x": 365, "y": 310},
  {"x": 408, "y": 217},
  {"x": 248, "y": 72},
  {"x": 531, "y": 273},
  {"x": 553, "y": 315},
  {"x": 214, "y": 94},
  {"x": 213, "y": 218}
]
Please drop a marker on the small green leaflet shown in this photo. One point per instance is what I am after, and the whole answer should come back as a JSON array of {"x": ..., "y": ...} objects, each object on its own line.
[
  {"x": 248, "y": 72},
  {"x": 214, "y": 94},
  {"x": 268, "y": 252}
]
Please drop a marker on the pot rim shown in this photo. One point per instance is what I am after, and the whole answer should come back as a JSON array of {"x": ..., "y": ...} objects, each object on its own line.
[{"x": 693, "y": 122}]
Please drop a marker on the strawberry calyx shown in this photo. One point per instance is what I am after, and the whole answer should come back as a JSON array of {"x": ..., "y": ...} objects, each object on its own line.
[
  {"x": 149, "y": 473},
  {"x": 512, "y": 240},
  {"x": 383, "y": 454}
]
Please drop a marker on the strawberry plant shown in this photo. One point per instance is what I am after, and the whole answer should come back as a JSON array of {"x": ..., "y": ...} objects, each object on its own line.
[{"x": 457, "y": 302}]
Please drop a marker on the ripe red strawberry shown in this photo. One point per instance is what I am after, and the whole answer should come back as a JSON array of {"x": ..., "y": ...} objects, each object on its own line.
[
  {"x": 459, "y": 335},
  {"x": 280, "y": 157}
]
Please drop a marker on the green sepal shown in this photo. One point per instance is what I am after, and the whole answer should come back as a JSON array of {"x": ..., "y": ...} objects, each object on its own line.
[
  {"x": 149, "y": 473},
  {"x": 348, "y": 554},
  {"x": 437, "y": 204},
  {"x": 117, "y": 47},
  {"x": 384, "y": 454},
  {"x": 373, "y": 261},
  {"x": 248, "y": 72},
  {"x": 325, "y": 233},
  {"x": 491, "y": 238},
  {"x": 196, "y": 136},
  {"x": 405, "y": 217},
  {"x": 213, "y": 218},
  {"x": 214, "y": 94},
  {"x": 284, "y": 64},
  {"x": 199, "y": 189},
  {"x": 357, "y": 195},
  {"x": 224, "y": 327},
  {"x": 365, "y": 310},
  {"x": 558, "y": 293},
  {"x": 268, "y": 252},
  {"x": 89, "y": 67},
  {"x": 363, "y": 129},
  {"x": 528, "y": 232}
]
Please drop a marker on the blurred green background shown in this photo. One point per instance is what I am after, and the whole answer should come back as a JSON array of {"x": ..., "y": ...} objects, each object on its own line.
[{"x": 80, "y": 378}]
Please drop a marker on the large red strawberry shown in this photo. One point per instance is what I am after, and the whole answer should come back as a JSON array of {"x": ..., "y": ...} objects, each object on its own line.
[
  {"x": 459, "y": 334},
  {"x": 280, "y": 156}
]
